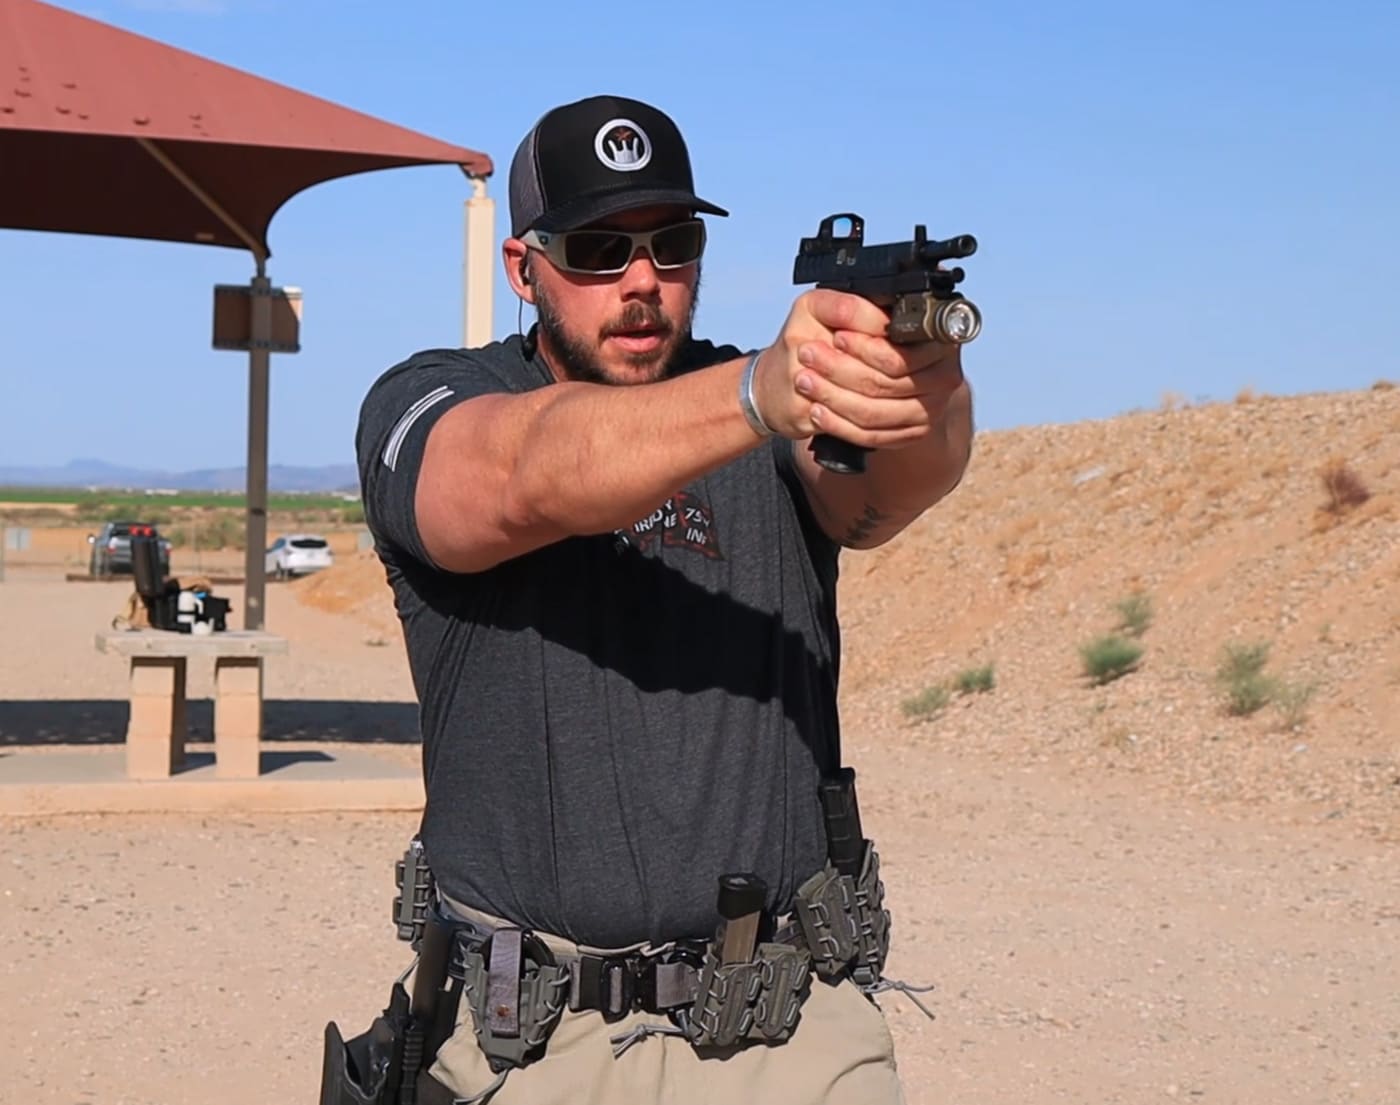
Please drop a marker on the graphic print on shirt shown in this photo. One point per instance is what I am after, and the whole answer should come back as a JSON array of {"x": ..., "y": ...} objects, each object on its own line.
[{"x": 683, "y": 521}]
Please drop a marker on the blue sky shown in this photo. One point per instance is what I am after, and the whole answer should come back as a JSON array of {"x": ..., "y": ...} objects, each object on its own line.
[{"x": 1182, "y": 198}]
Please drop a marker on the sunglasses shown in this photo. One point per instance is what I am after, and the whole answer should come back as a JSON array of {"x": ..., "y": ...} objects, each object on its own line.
[{"x": 606, "y": 252}]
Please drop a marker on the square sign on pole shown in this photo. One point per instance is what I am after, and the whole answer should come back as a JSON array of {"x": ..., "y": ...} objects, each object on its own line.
[{"x": 233, "y": 319}]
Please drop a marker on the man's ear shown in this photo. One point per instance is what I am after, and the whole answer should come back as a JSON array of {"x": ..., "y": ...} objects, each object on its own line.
[{"x": 515, "y": 255}]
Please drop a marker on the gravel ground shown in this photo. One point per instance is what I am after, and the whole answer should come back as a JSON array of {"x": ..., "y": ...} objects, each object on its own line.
[
  {"x": 1090, "y": 939},
  {"x": 1084, "y": 947}
]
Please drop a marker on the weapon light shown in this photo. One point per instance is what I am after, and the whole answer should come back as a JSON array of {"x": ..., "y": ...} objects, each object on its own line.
[{"x": 957, "y": 321}]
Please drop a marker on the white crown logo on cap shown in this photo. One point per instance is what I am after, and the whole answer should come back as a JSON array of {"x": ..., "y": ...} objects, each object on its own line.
[{"x": 622, "y": 145}]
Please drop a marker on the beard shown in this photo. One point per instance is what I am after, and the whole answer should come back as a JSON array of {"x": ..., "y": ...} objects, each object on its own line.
[{"x": 579, "y": 355}]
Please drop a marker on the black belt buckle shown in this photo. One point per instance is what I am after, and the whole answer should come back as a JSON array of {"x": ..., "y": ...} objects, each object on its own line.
[
  {"x": 644, "y": 985},
  {"x": 618, "y": 979},
  {"x": 689, "y": 952},
  {"x": 607, "y": 984},
  {"x": 617, "y": 985}
]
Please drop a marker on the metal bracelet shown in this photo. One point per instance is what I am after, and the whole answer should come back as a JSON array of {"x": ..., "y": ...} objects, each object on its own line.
[{"x": 746, "y": 399}]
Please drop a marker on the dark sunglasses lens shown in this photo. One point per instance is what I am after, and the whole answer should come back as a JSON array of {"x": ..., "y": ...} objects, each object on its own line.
[
  {"x": 678, "y": 245},
  {"x": 597, "y": 250}
]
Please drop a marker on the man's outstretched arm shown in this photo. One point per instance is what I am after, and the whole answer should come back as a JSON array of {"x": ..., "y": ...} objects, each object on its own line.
[{"x": 505, "y": 474}]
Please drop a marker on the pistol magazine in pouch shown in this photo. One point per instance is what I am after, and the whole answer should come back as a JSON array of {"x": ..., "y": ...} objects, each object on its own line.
[
  {"x": 413, "y": 890},
  {"x": 844, "y": 920},
  {"x": 516, "y": 993},
  {"x": 760, "y": 999}
]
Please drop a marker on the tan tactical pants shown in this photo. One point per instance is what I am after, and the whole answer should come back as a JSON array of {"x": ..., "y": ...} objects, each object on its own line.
[{"x": 841, "y": 1053}]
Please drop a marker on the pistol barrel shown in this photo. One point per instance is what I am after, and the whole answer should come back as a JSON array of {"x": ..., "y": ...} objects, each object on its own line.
[{"x": 963, "y": 245}]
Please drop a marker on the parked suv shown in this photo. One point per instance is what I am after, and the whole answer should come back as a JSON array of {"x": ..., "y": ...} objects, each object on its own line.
[
  {"x": 111, "y": 547},
  {"x": 298, "y": 554}
]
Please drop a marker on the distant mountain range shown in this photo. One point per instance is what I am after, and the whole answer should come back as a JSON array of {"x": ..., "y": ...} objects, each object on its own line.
[{"x": 98, "y": 473}]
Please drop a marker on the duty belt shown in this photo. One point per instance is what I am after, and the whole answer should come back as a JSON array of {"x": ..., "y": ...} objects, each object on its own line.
[
  {"x": 517, "y": 988},
  {"x": 651, "y": 979},
  {"x": 717, "y": 992}
]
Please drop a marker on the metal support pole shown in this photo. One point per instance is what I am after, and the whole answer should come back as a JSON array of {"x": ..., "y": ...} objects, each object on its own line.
[
  {"x": 477, "y": 266},
  {"x": 259, "y": 356}
]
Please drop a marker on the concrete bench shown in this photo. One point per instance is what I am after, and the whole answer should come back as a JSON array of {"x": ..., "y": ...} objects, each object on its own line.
[{"x": 157, "y": 727}]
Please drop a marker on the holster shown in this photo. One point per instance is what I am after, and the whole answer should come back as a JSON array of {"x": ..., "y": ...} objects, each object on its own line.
[
  {"x": 386, "y": 1064},
  {"x": 367, "y": 1069},
  {"x": 844, "y": 921}
]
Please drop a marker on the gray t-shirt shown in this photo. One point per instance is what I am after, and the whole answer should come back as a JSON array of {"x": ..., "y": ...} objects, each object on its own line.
[{"x": 612, "y": 722}]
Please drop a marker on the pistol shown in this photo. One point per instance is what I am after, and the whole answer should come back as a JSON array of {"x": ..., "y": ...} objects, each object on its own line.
[{"x": 906, "y": 279}]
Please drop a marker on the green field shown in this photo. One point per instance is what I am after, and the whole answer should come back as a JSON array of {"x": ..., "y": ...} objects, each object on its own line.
[
  {"x": 138, "y": 501},
  {"x": 205, "y": 518}
]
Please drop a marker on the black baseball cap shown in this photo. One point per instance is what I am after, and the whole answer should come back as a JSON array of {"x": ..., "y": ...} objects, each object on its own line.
[{"x": 593, "y": 158}]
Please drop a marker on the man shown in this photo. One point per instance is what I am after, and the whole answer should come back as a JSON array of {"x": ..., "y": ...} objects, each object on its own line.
[{"x": 615, "y": 562}]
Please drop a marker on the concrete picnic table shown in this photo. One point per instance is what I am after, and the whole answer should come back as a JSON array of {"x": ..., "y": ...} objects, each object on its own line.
[{"x": 157, "y": 726}]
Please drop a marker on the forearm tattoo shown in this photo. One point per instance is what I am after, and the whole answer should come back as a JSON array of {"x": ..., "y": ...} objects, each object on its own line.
[{"x": 870, "y": 520}]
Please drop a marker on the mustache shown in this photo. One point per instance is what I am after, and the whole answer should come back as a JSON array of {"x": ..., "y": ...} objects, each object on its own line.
[{"x": 639, "y": 316}]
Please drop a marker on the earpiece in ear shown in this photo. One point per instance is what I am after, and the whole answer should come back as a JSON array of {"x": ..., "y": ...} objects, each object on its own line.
[{"x": 524, "y": 271}]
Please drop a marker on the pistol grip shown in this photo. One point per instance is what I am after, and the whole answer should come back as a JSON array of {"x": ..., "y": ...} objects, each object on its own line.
[{"x": 837, "y": 455}]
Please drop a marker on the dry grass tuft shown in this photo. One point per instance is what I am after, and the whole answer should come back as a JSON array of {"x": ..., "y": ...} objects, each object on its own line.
[{"x": 1344, "y": 487}]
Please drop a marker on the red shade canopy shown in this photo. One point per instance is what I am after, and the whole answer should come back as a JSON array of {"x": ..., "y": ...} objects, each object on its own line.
[{"x": 106, "y": 132}]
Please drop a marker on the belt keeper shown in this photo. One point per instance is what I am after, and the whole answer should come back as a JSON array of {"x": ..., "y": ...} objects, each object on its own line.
[{"x": 748, "y": 404}]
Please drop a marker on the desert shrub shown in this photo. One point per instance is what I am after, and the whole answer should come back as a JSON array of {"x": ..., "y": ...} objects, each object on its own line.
[
  {"x": 222, "y": 530},
  {"x": 1239, "y": 661},
  {"x": 1240, "y": 676},
  {"x": 1107, "y": 658},
  {"x": 91, "y": 508},
  {"x": 975, "y": 680},
  {"x": 1292, "y": 700},
  {"x": 1248, "y": 694},
  {"x": 1344, "y": 487},
  {"x": 94, "y": 510},
  {"x": 1134, "y": 614},
  {"x": 927, "y": 703}
]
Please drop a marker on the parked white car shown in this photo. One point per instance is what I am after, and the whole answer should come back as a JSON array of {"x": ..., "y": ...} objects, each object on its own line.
[{"x": 298, "y": 554}]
